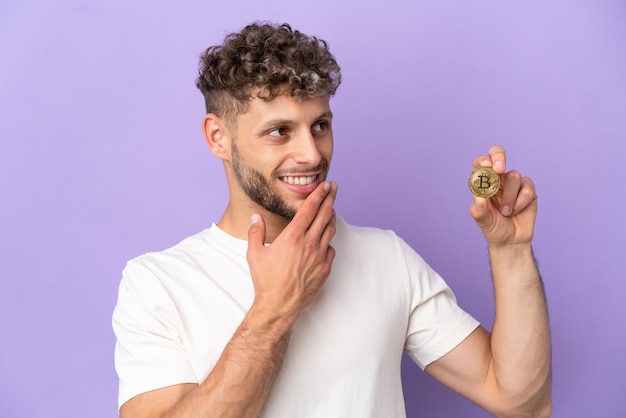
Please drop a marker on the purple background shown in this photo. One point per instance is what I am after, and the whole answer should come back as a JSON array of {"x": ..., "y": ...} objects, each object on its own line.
[{"x": 102, "y": 158}]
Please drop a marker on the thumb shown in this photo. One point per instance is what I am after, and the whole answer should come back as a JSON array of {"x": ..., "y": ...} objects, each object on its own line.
[
  {"x": 481, "y": 213},
  {"x": 256, "y": 232}
]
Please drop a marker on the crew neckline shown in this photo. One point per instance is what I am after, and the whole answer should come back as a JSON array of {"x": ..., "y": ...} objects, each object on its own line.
[{"x": 234, "y": 243}]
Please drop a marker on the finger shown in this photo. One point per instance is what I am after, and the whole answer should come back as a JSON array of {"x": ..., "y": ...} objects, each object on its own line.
[
  {"x": 309, "y": 209},
  {"x": 526, "y": 195},
  {"x": 330, "y": 255},
  {"x": 329, "y": 232},
  {"x": 326, "y": 264},
  {"x": 497, "y": 155},
  {"x": 325, "y": 212},
  {"x": 256, "y": 234},
  {"x": 482, "y": 161},
  {"x": 512, "y": 182},
  {"x": 480, "y": 212}
]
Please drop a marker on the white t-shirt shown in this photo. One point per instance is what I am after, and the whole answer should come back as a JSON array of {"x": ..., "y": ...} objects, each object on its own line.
[{"x": 177, "y": 309}]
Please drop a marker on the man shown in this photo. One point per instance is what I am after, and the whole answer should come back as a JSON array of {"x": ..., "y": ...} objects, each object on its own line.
[{"x": 281, "y": 309}]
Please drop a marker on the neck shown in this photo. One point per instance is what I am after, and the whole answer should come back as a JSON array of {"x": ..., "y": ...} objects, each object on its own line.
[{"x": 236, "y": 222}]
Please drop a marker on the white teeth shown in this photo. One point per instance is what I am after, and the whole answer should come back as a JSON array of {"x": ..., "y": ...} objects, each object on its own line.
[{"x": 298, "y": 181}]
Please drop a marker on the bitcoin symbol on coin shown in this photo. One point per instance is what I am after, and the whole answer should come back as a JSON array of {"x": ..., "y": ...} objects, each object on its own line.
[{"x": 484, "y": 182}]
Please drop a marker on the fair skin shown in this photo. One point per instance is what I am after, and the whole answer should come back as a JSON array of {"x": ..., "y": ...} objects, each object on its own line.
[{"x": 507, "y": 372}]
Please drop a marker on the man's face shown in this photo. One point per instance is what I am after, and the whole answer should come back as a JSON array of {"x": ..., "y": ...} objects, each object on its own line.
[{"x": 282, "y": 151}]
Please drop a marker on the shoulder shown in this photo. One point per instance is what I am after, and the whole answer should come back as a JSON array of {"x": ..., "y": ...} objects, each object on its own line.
[
  {"x": 187, "y": 248},
  {"x": 373, "y": 244},
  {"x": 370, "y": 237},
  {"x": 151, "y": 269},
  {"x": 364, "y": 233},
  {"x": 379, "y": 246}
]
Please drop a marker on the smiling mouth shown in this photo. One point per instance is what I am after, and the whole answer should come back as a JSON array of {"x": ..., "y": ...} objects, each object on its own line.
[{"x": 298, "y": 181}]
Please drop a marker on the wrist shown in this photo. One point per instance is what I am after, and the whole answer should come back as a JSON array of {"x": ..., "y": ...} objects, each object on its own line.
[
  {"x": 511, "y": 250},
  {"x": 511, "y": 257},
  {"x": 275, "y": 320}
]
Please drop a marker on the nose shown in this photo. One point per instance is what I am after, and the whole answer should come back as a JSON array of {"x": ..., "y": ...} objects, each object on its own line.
[{"x": 305, "y": 149}]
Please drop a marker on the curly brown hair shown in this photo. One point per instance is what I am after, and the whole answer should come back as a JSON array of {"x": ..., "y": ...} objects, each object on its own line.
[{"x": 265, "y": 60}]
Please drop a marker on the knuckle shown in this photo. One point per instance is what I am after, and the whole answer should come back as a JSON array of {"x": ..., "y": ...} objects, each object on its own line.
[
  {"x": 326, "y": 272},
  {"x": 310, "y": 246},
  {"x": 332, "y": 252},
  {"x": 515, "y": 175},
  {"x": 496, "y": 148},
  {"x": 310, "y": 209},
  {"x": 528, "y": 193}
]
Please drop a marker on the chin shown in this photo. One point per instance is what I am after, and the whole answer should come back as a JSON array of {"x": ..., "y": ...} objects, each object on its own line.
[{"x": 294, "y": 208}]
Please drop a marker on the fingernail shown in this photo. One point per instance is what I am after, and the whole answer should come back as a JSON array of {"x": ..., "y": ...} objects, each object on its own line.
[
  {"x": 326, "y": 186},
  {"x": 498, "y": 165},
  {"x": 254, "y": 218},
  {"x": 506, "y": 210},
  {"x": 334, "y": 186}
]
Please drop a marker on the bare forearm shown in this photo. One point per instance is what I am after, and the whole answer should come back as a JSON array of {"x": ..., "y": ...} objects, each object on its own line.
[
  {"x": 240, "y": 382},
  {"x": 520, "y": 341}
]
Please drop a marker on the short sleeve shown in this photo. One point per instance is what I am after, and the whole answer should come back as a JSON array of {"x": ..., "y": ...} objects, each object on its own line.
[
  {"x": 149, "y": 351},
  {"x": 436, "y": 323}
]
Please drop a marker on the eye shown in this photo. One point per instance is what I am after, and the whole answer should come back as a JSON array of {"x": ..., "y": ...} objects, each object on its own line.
[
  {"x": 279, "y": 132},
  {"x": 321, "y": 126}
]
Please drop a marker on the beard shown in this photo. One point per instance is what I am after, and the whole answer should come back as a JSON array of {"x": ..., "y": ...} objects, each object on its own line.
[{"x": 261, "y": 190}]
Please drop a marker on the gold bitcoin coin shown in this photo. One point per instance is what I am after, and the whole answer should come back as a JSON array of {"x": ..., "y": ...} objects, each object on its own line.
[{"x": 484, "y": 182}]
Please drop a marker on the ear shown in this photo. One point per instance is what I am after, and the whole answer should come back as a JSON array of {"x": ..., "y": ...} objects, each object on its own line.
[{"x": 217, "y": 136}]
